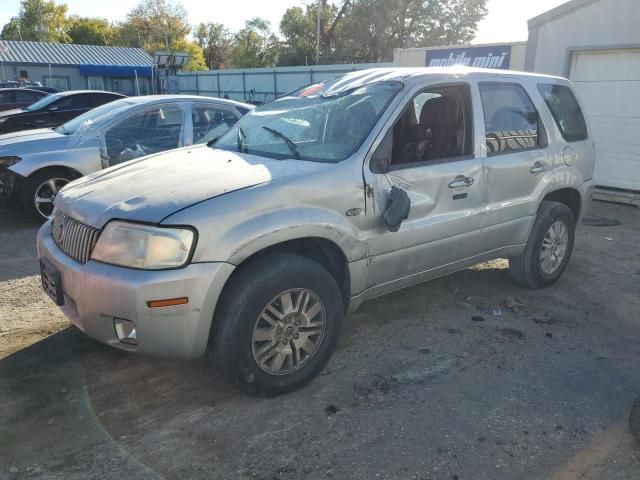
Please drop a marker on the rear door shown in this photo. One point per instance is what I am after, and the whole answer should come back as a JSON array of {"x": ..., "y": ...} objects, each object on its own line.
[
  {"x": 517, "y": 158},
  {"x": 430, "y": 147}
]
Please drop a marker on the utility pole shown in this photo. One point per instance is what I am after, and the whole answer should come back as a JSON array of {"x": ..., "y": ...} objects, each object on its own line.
[{"x": 318, "y": 32}]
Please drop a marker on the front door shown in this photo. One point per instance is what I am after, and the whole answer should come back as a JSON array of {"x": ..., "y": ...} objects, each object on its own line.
[{"x": 430, "y": 147}]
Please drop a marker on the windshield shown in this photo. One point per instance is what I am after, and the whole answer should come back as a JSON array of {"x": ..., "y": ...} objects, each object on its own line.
[
  {"x": 87, "y": 120},
  {"x": 311, "y": 123},
  {"x": 43, "y": 102}
]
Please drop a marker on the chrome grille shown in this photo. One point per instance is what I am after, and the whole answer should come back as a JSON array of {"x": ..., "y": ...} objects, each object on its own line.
[{"x": 73, "y": 237}]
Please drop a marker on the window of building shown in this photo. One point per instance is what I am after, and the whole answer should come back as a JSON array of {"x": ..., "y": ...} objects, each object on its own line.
[
  {"x": 123, "y": 85},
  {"x": 210, "y": 122},
  {"x": 61, "y": 83},
  {"x": 565, "y": 110},
  {"x": 95, "y": 83},
  {"x": 435, "y": 126},
  {"x": 511, "y": 120}
]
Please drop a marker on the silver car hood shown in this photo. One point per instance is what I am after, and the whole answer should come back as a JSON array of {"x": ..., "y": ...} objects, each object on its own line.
[
  {"x": 30, "y": 141},
  {"x": 154, "y": 187}
]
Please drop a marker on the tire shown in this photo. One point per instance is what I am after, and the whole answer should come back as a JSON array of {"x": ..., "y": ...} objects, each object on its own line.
[
  {"x": 529, "y": 269},
  {"x": 634, "y": 420},
  {"x": 243, "y": 323},
  {"x": 37, "y": 183}
]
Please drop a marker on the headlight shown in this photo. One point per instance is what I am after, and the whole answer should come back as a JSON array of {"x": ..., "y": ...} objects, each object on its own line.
[
  {"x": 141, "y": 246},
  {"x": 8, "y": 161}
]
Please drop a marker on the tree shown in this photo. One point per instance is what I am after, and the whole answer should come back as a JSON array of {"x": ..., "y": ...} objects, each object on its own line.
[
  {"x": 156, "y": 22},
  {"x": 298, "y": 27},
  {"x": 255, "y": 45},
  {"x": 196, "y": 56},
  {"x": 38, "y": 20},
  {"x": 371, "y": 29},
  {"x": 90, "y": 31},
  {"x": 216, "y": 42}
]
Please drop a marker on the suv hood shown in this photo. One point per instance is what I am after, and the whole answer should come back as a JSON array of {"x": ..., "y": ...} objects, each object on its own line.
[
  {"x": 30, "y": 141},
  {"x": 152, "y": 188}
]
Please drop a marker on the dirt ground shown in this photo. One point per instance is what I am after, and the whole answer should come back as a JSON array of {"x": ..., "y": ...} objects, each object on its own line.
[{"x": 416, "y": 390}]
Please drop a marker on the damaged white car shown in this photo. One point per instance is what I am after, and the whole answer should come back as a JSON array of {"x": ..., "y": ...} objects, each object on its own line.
[{"x": 36, "y": 164}]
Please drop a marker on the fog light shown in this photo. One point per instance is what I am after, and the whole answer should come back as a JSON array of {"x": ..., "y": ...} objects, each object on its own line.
[{"x": 125, "y": 330}]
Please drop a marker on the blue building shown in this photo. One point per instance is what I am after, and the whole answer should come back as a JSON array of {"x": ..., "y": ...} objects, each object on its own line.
[{"x": 78, "y": 67}]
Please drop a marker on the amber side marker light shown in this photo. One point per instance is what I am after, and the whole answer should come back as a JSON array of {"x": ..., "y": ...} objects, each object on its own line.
[{"x": 169, "y": 302}]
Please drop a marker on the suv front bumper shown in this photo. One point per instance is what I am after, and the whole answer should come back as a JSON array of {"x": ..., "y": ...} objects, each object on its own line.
[{"x": 95, "y": 294}]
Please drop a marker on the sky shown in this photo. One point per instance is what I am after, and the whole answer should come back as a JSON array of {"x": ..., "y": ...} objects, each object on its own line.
[{"x": 506, "y": 21}]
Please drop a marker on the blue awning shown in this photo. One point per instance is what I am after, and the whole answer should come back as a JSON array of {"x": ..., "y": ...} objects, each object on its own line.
[{"x": 115, "y": 70}]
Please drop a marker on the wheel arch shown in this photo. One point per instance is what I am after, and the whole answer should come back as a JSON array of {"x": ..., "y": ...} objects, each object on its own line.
[
  {"x": 568, "y": 196},
  {"x": 321, "y": 250}
]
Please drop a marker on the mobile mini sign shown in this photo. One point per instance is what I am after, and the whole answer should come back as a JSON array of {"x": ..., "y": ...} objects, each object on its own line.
[{"x": 482, "y": 57}]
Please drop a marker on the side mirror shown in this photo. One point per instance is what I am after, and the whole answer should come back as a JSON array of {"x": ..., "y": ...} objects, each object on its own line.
[
  {"x": 397, "y": 209},
  {"x": 381, "y": 160}
]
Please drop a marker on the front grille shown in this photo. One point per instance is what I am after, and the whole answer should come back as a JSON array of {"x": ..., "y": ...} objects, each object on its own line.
[{"x": 73, "y": 237}]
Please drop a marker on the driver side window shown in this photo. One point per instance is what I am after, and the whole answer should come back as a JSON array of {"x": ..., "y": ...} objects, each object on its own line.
[
  {"x": 436, "y": 125},
  {"x": 151, "y": 131}
]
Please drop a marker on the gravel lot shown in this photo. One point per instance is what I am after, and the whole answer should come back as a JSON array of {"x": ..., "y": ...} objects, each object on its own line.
[{"x": 416, "y": 390}]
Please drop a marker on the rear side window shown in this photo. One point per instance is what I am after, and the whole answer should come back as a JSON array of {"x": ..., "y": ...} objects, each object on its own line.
[
  {"x": 565, "y": 110},
  {"x": 511, "y": 120}
]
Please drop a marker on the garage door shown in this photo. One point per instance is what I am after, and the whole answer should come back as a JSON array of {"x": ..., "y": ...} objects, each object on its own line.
[{"x": 608, "y": 82}]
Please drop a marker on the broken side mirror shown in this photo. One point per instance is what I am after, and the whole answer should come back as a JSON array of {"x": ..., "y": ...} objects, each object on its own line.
[{"x": 397, "y": 209}]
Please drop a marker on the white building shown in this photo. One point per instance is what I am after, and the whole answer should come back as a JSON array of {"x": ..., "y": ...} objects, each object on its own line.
[
  {"x": 509, "y": 56},
  {"x": 596, "y": 43}
]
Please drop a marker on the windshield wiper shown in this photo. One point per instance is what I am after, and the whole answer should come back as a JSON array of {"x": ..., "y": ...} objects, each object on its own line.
[
  {"x": 211, "y": 142},
  {"x": 292, "y": 146},
  {"x": 241, "y": 140}
]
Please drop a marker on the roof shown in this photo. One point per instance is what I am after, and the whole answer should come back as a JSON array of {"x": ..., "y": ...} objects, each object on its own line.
[
  {"x": 363, "y": 77},
  {"x": 70, "y": 54},
  {"x": 560, "y": 11}
]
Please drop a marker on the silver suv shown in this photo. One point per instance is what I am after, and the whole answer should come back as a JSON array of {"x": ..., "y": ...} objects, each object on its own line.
[{"x": 334, "y": 194}]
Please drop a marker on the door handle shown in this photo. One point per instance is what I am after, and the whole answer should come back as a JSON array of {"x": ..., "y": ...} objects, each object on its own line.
[
  {"x": 538, "y": 167},
  {"x": 461, "y": 182}
]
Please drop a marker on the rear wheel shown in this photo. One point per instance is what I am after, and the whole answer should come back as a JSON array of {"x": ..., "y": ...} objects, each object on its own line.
[
  {"x": 548, "y": 248},
  {"x": 278, "y": 323},
  {"x": 40, "y": 190}
]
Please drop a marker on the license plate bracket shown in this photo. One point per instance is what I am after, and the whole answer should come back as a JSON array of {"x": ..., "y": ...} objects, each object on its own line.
[{"x": 51, "y": 282}]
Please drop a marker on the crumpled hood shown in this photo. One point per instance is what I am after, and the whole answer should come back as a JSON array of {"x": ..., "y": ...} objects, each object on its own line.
[
  {"x": 154, "y": 187},
  {"x": 30, "y": 141}
]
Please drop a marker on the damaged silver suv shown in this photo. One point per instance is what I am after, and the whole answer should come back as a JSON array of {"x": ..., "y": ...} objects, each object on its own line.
[{"x": 342, "y": 191}]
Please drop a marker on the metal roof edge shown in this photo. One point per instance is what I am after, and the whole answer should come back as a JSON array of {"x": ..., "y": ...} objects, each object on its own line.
[{"x": 559, "y": 11}]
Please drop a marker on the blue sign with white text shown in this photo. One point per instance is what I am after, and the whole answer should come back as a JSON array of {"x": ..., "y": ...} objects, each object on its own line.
[{"x": 481, "y": 57}]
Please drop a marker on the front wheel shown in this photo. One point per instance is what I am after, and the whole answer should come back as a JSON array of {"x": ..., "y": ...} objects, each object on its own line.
[
  {"x": 278, "y": 323},
  {"x": 40, "y": 191},
  {"x": 548, "y": 248}
]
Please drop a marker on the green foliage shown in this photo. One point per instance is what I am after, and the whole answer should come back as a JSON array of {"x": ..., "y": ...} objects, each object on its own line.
[
  {"x": 156, "y": 22},
  {"x": 215, "y": 41},
  {"x": 90, "y": 31},
  {"x": 254, "y": 46},
  {"x": 369, "y": 30},
  {"x": 351, "y": 31},
  {"x": 38, "y": 21}
]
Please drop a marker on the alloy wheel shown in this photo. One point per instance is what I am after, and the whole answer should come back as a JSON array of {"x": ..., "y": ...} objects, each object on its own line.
[
  {"x": 288, "y": 332},
  {"x": 554, "y": 247},
  {"x": 45, "y": 195}
]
